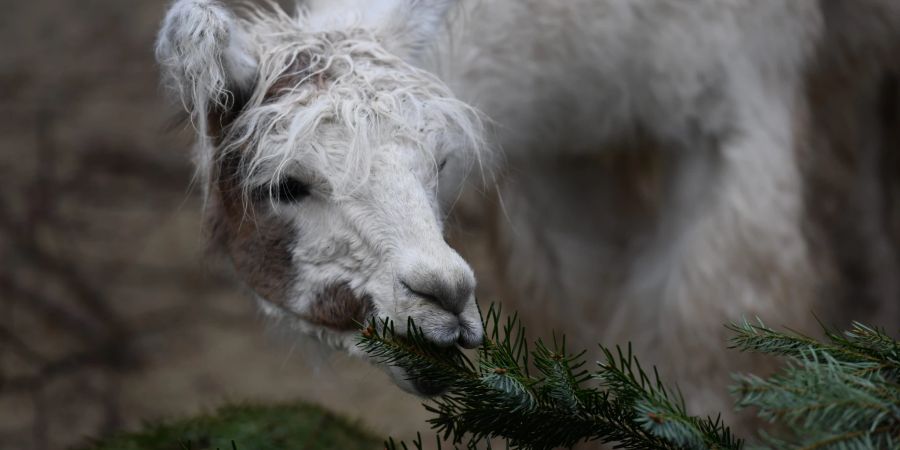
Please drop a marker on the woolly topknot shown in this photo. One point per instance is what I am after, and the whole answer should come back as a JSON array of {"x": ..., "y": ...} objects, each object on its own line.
[{"x": 328, "y": 98}]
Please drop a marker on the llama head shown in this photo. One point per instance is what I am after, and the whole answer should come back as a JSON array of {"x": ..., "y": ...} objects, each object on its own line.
[{"x": 329, "y": 161}]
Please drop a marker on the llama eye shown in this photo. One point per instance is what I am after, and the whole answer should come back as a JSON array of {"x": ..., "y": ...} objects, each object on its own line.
[
  {"x": 288, "y": 190},
  {"x": 442, "y": 165}
]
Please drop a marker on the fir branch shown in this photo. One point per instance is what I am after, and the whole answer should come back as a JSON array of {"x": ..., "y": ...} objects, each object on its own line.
[
  {"x": 554, "y": 407},
  {"x": 838, "y": 394},
  {"x": 860, "y": 344},
  {"x": 842, "y": 393},
  {"x": 659, "y": 410}
]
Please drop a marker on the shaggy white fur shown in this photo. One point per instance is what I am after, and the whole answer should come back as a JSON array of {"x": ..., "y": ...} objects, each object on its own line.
[
  {"x": 371, "y": 148},
  {"x": 719, "y": 89},
  {"x": 347, "y": 96},
  {"x": 205, "y": 57},
  {"x": 342, "y": 98}
]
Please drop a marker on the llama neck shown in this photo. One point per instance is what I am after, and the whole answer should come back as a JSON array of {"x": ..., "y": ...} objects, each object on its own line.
[{"x": 571, "y": 76}]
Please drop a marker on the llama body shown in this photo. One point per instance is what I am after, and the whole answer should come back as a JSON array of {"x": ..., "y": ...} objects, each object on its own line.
[
  {"x": 331, "y": 148},
  {"x": 710, "y": 109},
  {"x": 716, "y": 89}
]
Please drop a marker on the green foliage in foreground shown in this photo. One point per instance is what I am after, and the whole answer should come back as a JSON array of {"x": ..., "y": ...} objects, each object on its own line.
[
  {"x": 542, "y": 396},
  {"x": 296, "y": 426},
  {"x": 840, "y": 394}
]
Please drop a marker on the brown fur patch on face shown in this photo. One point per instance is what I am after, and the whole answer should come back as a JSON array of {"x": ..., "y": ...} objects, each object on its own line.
[
  {"x": 258, "y": 242},
  {"x": 339, "y": 308}
]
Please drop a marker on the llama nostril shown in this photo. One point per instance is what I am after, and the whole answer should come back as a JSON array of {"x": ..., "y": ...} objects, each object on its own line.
[
  {"x": 419, "y": 292},
  {"x": 447, "y": 297}
]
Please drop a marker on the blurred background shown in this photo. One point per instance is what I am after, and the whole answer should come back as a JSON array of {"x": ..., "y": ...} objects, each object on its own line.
[{"x": 111, "y": 313}]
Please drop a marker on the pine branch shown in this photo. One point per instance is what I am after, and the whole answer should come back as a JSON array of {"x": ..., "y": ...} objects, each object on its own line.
[
  {"x": 838, "y": 394},
  {"x": 861, "y": 344},
  {"x": 842, "y": 393},
  {"x": 498, "y": 397}
]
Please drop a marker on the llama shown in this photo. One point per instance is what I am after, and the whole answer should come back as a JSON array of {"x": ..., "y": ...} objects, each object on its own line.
[{"x": 332, "y": 144}]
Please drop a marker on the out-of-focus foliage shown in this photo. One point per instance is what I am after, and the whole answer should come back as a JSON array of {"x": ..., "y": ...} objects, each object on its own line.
[
  {"x": 841, "y": 394},
  {"x": 292, "y": 426}
]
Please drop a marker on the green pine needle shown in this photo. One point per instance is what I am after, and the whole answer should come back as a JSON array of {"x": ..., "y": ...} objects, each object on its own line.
[
  {"x": 842, "y": 393},
  {"x": 839, "y": 394},
  {"x": 556, "y": 406}
]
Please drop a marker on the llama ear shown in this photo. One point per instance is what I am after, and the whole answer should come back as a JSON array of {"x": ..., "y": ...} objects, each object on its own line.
[
  {"x": 206, "y": 57},
  {"x": 415, "y": 24}
]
